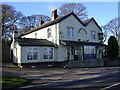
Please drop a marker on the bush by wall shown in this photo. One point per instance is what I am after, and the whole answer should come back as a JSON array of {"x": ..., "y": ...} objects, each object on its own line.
[{"x": 113, "y": 48}]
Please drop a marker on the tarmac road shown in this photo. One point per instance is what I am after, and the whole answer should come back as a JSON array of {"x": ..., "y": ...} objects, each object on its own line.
[
  {"x": 102, "y": 78},
  {"x": 106, "y": 82}
]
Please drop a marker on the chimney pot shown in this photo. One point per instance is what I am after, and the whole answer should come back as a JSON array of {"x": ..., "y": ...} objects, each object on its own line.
[
  {"x": 15, "y": 29},
  {"x": 15, "y": 32},
  {"x": 54, "y": 14},
  {"x": 41, "y": 21}
]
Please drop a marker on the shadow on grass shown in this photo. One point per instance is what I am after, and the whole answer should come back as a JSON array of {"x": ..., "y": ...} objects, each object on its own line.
[{"x": 13, "y": 82}]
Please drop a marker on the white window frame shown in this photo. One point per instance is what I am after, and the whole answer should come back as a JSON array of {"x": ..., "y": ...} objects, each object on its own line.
[
  {"x": 32, "y": 53},
  {"x": 89, "y": 49},
  {"x": 70, "y": 32},
  {"x": 93, "y": 35},
  {"x": 35, "y": 35},
  {"x": 48, "y": 48},
  {"x": 49, "y": 33}
]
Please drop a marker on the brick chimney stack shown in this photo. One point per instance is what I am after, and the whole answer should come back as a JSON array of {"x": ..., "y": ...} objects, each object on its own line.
[
  {"x": 15, "y": 32},
  {"x": 41, "y": 21},
  {"x": 54, "y": 14}
]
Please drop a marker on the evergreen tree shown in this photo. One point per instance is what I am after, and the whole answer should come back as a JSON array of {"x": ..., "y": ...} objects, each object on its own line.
[{"x": 113, "y": 48}]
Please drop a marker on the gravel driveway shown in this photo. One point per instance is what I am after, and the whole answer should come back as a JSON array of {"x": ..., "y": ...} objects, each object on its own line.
[{"x": 50, "y": 76}]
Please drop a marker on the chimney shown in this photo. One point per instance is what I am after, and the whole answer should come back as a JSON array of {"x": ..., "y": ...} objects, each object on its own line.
[
  {"x": 15, "y": 32},
  {"x": 54, "y": 14},
  {"x": 41, "y": 21}
]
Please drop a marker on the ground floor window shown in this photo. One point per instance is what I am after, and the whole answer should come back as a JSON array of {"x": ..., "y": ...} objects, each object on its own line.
[
  {"x": 89, "y": 52},
  {"x": 48, "y": 53},
  {"x": 32, "y": 53}
]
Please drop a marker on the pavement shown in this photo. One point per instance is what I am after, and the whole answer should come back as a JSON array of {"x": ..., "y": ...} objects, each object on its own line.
[{"x": 100, "y": 78}]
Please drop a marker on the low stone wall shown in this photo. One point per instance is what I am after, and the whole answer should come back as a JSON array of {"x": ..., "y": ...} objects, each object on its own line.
[
  {"x": 85, "y": 63},
  {"x": 39, "y": 65},
  {"x": 113, "y": 62}
]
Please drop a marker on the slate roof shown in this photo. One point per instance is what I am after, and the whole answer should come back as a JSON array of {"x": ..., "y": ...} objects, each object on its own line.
[
  {"x": 77, "y": 43},
  {"x": 34, "y": 42},
  {"x": 59, "y": 19},
  {"x": 86, "y": 20}
]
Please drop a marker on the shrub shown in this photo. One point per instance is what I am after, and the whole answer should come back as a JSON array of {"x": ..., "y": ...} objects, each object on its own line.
[{"x": 113, "y": 48}]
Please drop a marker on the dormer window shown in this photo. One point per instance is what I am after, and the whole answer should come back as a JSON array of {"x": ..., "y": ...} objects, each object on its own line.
[
  {"x": 70, "y": 31},
  {"x": 49, "y": 33}
]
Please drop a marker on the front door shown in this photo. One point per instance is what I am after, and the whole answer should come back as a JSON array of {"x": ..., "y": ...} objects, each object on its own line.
[{"x": 75, "y": 54}]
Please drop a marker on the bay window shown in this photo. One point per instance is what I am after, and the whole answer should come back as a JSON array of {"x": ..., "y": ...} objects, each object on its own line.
[
  {"x": 32, "y": 53},
  {"x": 48, "y": 53}
]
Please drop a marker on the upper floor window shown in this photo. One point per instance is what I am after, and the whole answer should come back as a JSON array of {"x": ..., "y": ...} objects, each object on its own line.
[
  {"x": 49, "y": 33},
  {"x": 100, "y": 35},
  {"x": 70, "y": 31},
  {"x": 35, "y": 35},
  {"x": 93, "y": 34}
]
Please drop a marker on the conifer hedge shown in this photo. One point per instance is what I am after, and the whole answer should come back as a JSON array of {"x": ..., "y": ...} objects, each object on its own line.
[{"x": 113, "y": 48}]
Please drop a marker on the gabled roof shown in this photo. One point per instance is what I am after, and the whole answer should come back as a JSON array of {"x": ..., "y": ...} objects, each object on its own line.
[
  {"x": 59, "y": 19},
  {"x": 87, "y": 21},
  {"x": 34, "y": 42}
]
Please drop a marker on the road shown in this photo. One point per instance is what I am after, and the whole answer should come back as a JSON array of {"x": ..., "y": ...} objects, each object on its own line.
[{"x": 103, "y": 78}]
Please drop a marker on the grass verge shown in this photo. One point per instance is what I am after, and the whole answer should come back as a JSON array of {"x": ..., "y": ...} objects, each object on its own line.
[{"x": 12, "y": 81}]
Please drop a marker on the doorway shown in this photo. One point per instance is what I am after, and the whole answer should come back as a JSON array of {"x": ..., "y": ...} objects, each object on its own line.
[{"x": 77, "y": 54}]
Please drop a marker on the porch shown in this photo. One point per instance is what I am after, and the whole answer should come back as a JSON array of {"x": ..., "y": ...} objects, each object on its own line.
[{"x": 77, "y": 50}]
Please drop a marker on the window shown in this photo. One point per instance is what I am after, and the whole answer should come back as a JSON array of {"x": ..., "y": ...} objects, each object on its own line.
[
  {"x": 89, "y": 50},
  {"x": 32, "y": 53},
  {"x": 35, "y": 35},
  {"x": 49, "y": 33},
  {"x": 48, "y": 53},
  {"x": 70, "y": 31},
  {"x": 93, "y": 34},
  {"x": 100, "y": 35}
]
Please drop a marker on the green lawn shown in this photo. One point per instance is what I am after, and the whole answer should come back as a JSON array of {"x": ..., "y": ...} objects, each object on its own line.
[{"x": 9, "y": 81}]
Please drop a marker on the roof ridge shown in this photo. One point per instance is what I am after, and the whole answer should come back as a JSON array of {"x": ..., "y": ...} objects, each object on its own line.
[
  {"x": 47, "y": 24},
  {"x": 59, "y": 19},
  {"x": 87, "y": 18}
]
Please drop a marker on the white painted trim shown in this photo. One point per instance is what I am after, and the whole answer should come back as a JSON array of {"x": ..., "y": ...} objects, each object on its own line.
[
  {"x": 43, "y": 54},
  {"x": 32, "y": 48}
]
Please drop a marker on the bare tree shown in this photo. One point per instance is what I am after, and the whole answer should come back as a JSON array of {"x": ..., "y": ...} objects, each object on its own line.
[
  {"x": 112, "y": 27},
  {"x": 9, "y": 18},
  {"x": 78, "y": 8},
  {"x": 28, "y": 22}
]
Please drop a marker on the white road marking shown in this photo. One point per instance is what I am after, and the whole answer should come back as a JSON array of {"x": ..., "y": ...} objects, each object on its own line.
[{"x": 110, "y": 86}]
